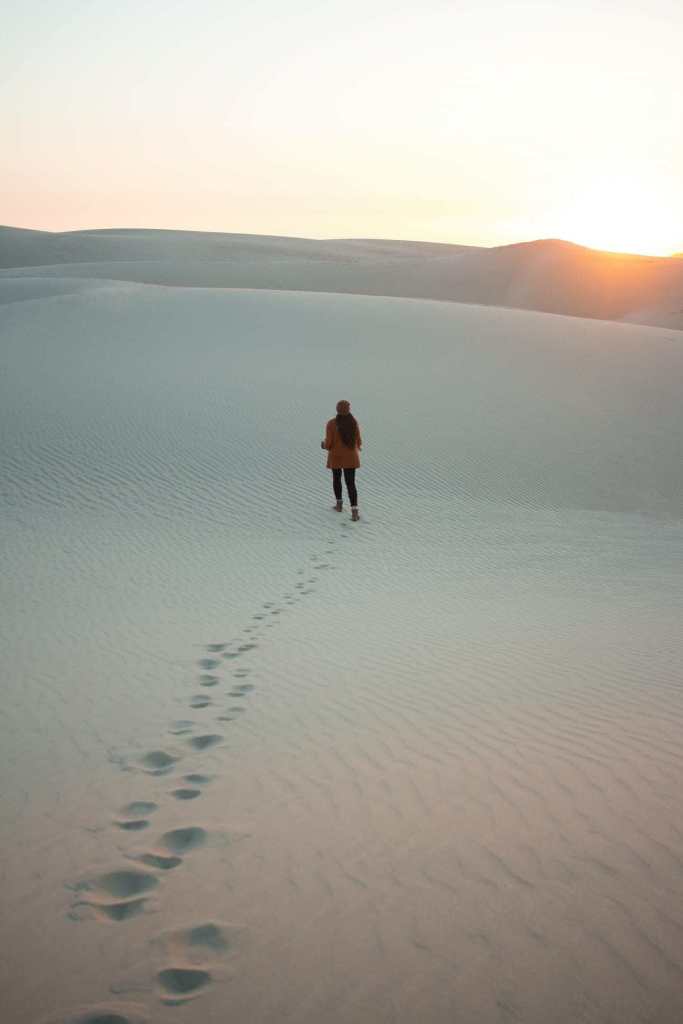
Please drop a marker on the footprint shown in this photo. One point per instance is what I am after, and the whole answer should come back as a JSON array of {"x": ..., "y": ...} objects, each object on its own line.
[
  {"x": 118, "y": 895},
  {"x": 215, "y": 648},
  {"x": 197, "y": 779},
  {"x": 208, "y": 663},
  {"x": 186, "y": 794},
  {"x": 102, "y": 1013},
  {"x": 246, "y": 647},
  {"x": 258, "y": 616},
  {"x": 181, "y": 840},
  {"x": 181, "y": 727},
  {"x": 196, "y": 954},
  {"x": 122, "y": 911},
  {"x": 268, "y": 604},
  {"x": 236, "y": 709},
  {"x": 162, "y": 861},
  {"x": 178, "y": 984},
  {"x": 132, "y": 817},
  {"x": 157, "y": 762},
  {"x": 201, "y": 944},
  {"x": 231, "y": 654},
  {"x": 123, "y": 884},
  {"x": 205, "y": 741},
  {"x": 199, "y": 701},
  {"x": 240, "y": 673},
  {"x": 210, "y": 937},
  {"x": 139, "y": 808},
  {"x": 132, "y": 824},
  {"x": 245, "y": 687},
  {"x": 207, "y": 680}
]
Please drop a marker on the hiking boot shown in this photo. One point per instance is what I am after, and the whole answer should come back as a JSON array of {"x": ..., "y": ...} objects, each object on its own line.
[
  {"x": 354, "y": 514},
  {"x": 338, "y": 507}
]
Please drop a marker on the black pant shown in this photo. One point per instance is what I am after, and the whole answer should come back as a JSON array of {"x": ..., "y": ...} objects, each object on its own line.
[{"x": 349, "y": 480}]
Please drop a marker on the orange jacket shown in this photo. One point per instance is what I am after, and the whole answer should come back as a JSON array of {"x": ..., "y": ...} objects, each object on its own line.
[{"x": 338, "y": 455}]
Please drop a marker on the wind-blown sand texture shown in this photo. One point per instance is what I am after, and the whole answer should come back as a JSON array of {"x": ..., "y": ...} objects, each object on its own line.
[
  {"x": 261, "y": 763},
  {"x": 548, "y": 275}
]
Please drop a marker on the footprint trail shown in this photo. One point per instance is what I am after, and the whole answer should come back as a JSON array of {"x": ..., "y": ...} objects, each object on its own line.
[{"x": 192, "y": 956}]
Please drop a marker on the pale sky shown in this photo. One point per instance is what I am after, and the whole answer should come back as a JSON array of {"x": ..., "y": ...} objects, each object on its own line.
[{"x": 480, "y": 122}]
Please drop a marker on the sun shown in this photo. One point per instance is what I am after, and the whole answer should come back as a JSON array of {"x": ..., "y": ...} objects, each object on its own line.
[{"x": 621, "y": 215}]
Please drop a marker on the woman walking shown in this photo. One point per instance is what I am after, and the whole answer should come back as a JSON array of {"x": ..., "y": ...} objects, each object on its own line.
[{"x": 343, "y": 443}]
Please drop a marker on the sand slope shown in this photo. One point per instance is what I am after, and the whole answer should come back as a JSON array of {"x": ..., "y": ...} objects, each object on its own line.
[
  {"x": 260, "y": 763},
  {"x": 550, "y": 275}
]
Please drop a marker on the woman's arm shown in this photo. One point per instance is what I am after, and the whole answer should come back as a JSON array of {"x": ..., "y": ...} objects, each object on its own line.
[{"x": 329, "y": 437}]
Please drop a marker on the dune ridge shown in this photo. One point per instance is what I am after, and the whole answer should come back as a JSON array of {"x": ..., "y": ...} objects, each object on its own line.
[{"x": 547, "y": 275}]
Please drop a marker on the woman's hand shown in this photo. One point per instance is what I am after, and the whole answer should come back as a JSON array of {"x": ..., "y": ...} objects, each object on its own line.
[{"x": 322, "y": 444}]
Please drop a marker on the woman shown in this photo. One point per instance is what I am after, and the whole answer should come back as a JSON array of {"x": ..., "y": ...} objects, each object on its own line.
[{"x": 343, "y": 443}]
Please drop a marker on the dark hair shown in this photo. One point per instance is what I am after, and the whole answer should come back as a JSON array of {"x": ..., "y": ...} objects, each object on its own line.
[{"x": 348, "y": 429}]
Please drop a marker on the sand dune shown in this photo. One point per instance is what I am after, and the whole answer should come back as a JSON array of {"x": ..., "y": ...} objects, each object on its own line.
[
  {"x": 549, "y": 276},
  {"x": 33, "y": 248},
  {"x": 261, "y": 763}
]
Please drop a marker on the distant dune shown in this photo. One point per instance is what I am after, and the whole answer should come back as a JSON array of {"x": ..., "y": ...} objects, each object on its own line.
[{"x": 547, "y": 275}]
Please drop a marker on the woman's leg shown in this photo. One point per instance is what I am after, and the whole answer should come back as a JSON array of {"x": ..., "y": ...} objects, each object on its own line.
[
  {"x": 350, "y": 480},
  {"x": 336, "y": 483}
]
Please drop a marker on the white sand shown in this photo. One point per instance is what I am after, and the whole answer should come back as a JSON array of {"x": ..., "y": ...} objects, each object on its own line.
[
  {"x": 549, "y": 276},
  {"x": 453, "y": 792}
]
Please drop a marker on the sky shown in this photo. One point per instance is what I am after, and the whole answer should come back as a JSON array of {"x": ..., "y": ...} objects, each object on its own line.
[{"x": 480, "y": 122}]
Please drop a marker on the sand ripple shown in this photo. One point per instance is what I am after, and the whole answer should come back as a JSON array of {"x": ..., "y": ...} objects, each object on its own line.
[{"x": 449, "y": 735}]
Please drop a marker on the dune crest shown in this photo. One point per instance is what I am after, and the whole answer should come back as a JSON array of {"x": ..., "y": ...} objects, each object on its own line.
[{"x": 547, "y": 275}]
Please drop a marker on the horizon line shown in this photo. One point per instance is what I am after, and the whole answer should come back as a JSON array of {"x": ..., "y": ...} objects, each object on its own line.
[{"x": 354, "y": 238}]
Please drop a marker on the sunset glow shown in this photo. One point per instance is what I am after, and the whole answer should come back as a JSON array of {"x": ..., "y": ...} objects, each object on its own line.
[
  {"x": 622, "y": 215},
  {"x": 479, "y": 123}
]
